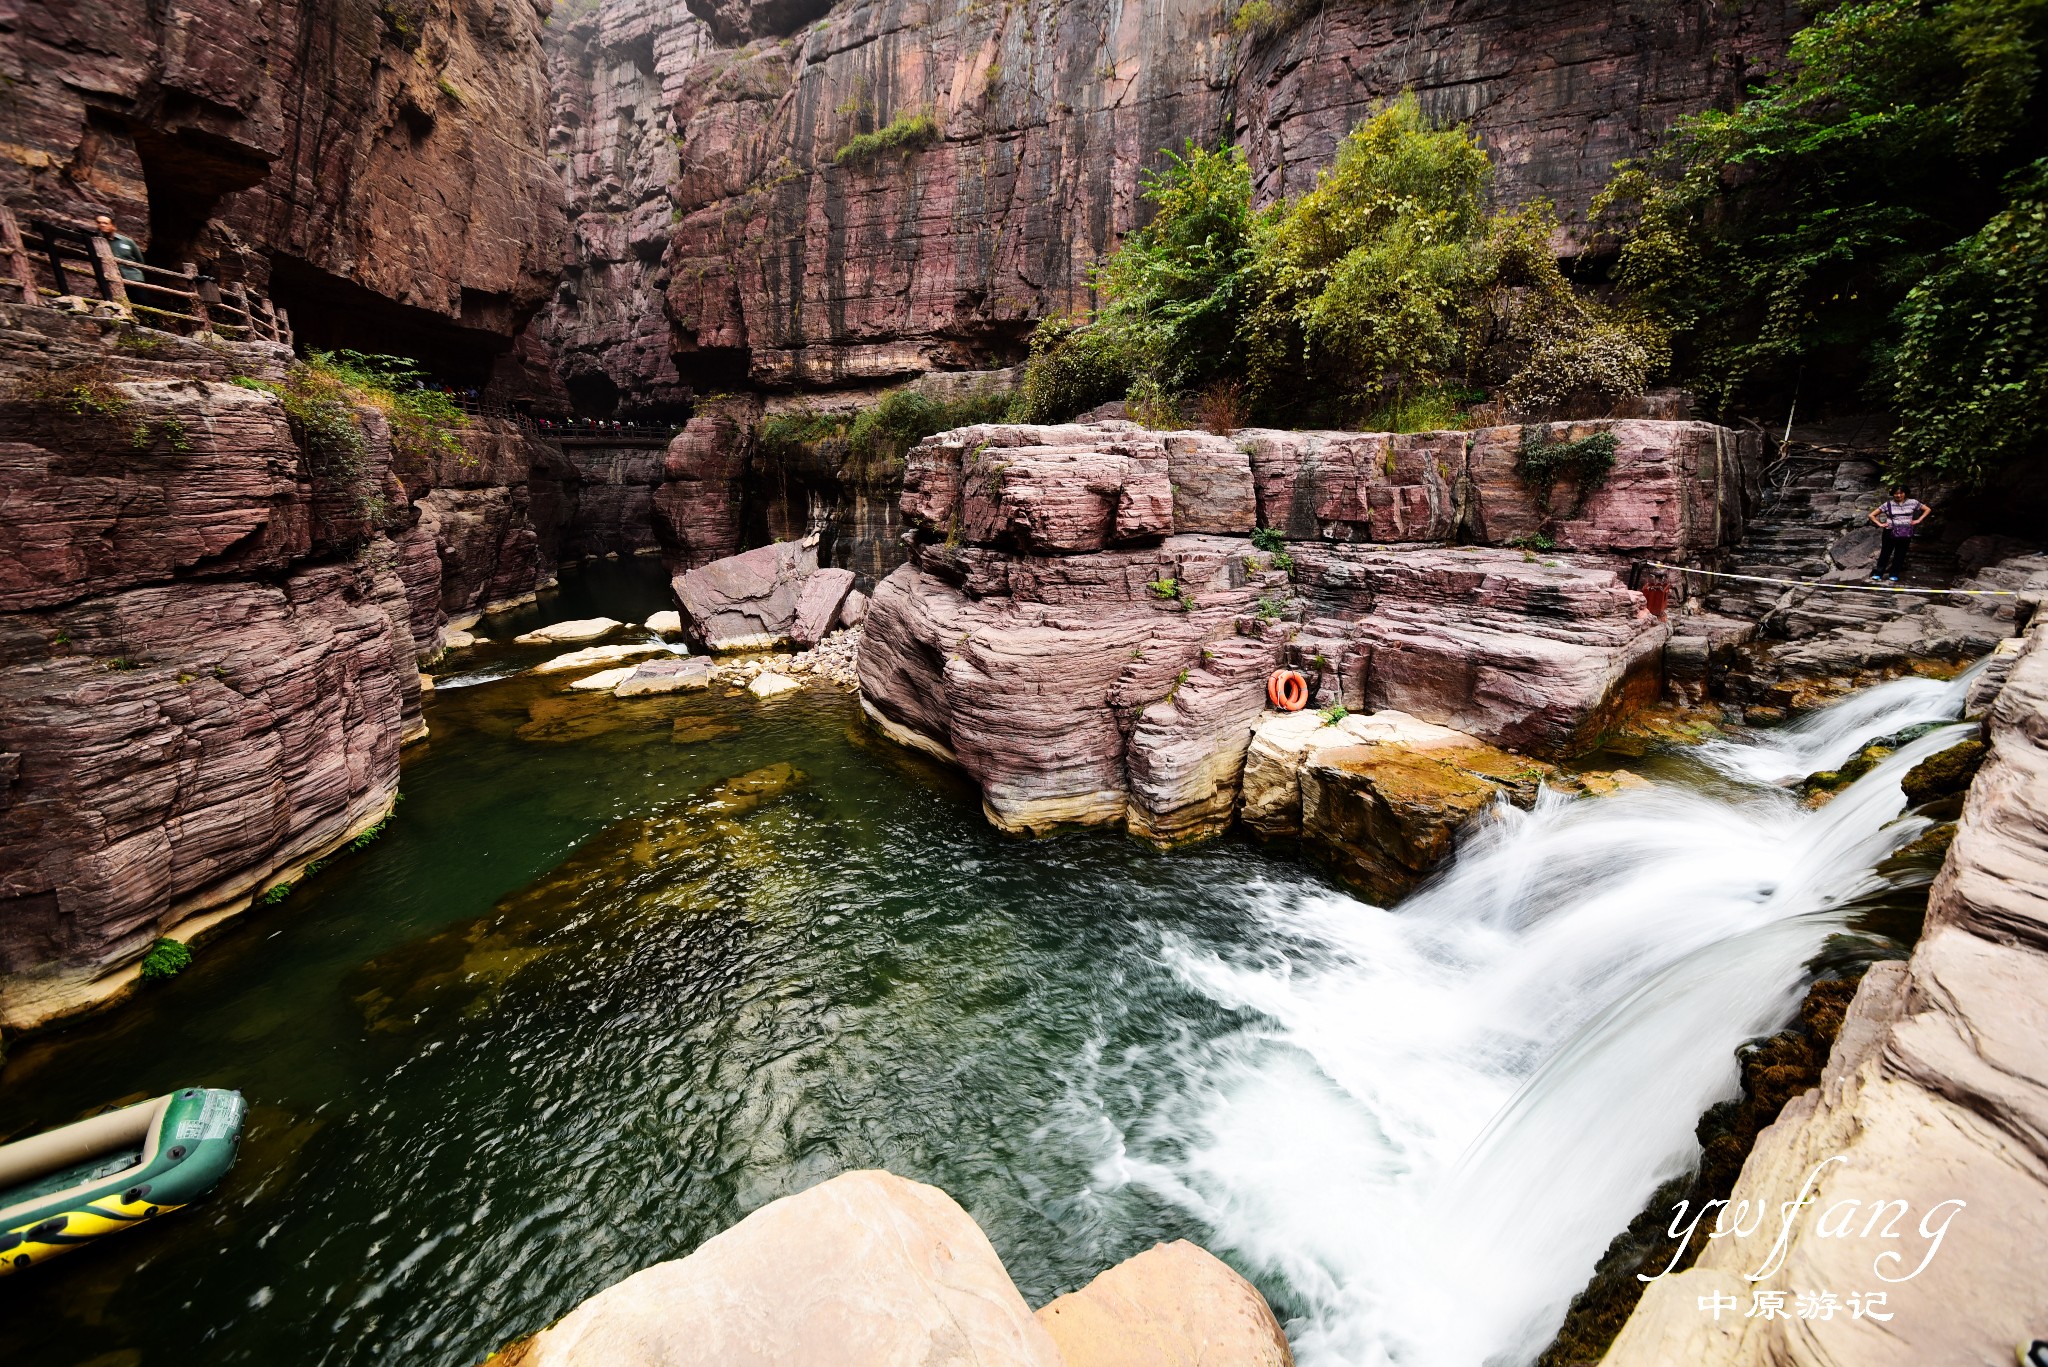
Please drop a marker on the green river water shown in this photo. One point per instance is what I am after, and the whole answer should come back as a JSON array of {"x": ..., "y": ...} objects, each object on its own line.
[
  {"x": 619, "y": 973},
  {"x": 580, "y": 1007}
]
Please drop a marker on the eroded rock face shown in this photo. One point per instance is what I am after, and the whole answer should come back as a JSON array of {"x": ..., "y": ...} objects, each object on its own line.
[
  {"x": 1934, "y": 1094},
  {"x": 173, "y": 748},
  {"x": 697, "y": 504},
  {"x": 747, "y": 601},
  {"x": 790, "y": 265},
  {"x": 1064, "y": 636},
  {"x": 214, "y": 488},
  {"x": 867, "y": 1269},
  {"x": 615, "y": 69},
  {"x": 299, "y": 146},
  {"x": 1676, "y": 488},
  {"x": 208, "y": 637}
]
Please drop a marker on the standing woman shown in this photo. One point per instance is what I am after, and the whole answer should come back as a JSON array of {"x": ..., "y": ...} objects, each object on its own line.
[{"x": 1899, "y": 516}]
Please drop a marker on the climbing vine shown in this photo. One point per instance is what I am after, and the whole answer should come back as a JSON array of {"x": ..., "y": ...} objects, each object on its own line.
[{"x": 1586, "y": 460}]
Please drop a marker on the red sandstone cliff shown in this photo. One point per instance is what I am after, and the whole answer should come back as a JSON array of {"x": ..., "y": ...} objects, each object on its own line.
[
  {"x": 706, "y": 169},
  {"x": 378, "y": 165}
]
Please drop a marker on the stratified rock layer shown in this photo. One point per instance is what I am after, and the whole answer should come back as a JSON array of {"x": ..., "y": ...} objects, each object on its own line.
[
  {"x": 345, "y": 155},
  {"x": 1065, "y": 636},
  {"x": 794, "y": 259},
  {"x": 209, "y": 635}
]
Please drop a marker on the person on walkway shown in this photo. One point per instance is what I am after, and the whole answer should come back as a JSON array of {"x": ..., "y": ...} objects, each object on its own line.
[
  {"x": 125, "y": 248},
  {"x": 1899, "y": 516}
]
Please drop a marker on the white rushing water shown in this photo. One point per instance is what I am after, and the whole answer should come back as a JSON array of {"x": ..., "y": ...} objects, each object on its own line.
[{"x": 1448, "y": 1110}]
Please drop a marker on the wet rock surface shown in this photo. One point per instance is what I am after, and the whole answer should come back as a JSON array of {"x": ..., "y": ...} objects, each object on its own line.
[{"x": 1932, "y": 1095}]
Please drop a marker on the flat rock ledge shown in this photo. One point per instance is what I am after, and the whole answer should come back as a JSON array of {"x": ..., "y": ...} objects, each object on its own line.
[
  {"x": 1936, "y": 1096},
  {"x": 871, "y": 1270}
]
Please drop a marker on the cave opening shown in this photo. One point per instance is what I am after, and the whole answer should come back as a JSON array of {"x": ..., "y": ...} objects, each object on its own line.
[
  {"x": 186, "y": 172},
  {"x": 329, "y": 313}
]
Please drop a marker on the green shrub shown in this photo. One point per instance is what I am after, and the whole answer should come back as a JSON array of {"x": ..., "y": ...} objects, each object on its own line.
[
  {"x": 1366, "y": 283},
  {"x": 273, "y": 895},
  {"x": 1334, "y": 713},
  {"x": 1819, "y": 237},
  {"x": 1386, "y": 297},
  {"x": 904, "y": 134},
  {"x": 872, "y": 442},
  {"x": 1073, "y": 367},
  {"x": 1268, "y": 538},
  {"x": 165, "y": 959},
  {"x": 1541, "y": 462},
  {"x": 1970, "y": 373}
]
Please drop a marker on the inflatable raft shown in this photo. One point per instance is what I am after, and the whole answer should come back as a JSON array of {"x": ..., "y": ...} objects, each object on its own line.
[{"x": 69, "y": 1186}]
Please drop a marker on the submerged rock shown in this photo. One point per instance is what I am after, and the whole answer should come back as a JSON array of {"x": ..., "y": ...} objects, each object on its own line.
[
  {"x": 598, "y": 655},
  {"x": 694, "y": 730},
  {"x": 1174, "y": 1305},
  {"x": 581, "y": 629},
  {"x": 665, "y": 676}
]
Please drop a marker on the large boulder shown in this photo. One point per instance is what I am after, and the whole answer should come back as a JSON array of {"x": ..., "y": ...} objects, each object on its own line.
[
  {"x": 746, "y": 601},
  {"x": 1040, "y": 674},
  {"x": 1174, "y": 1305},
  {"x": 1543, "y": 656},
  {"x": 1385, "y": 815},
  {"x": 818, "y": 605},
  {"x": 866, "y": 1270}
]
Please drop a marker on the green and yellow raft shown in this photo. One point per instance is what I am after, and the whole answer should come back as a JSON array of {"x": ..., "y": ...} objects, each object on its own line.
[{"x": 69, "y": 1186}]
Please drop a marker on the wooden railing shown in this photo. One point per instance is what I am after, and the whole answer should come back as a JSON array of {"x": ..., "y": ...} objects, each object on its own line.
[{"x": 178, "y": 300}]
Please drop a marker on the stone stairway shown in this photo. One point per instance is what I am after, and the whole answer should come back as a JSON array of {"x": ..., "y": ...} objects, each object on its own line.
[{"x": 1812, "y": 524}]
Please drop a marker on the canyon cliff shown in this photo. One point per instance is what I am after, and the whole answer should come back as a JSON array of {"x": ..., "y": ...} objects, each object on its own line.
[{"x": 819, "y": 197}]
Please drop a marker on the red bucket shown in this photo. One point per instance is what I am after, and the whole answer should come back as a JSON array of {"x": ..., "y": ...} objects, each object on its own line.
[{"x": 1657, "y": 597}]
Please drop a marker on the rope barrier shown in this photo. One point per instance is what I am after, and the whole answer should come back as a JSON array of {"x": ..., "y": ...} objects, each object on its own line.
[{"x": 1817, "y": 584}]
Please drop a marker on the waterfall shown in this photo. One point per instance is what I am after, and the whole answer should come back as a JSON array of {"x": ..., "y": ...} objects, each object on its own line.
[{"x": 1445, "y": 1112}]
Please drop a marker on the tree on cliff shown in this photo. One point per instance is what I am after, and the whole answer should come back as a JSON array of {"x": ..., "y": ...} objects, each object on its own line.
[
  {"x": 1381, "y": 297},
  {"x": 1862, "y": 221}
]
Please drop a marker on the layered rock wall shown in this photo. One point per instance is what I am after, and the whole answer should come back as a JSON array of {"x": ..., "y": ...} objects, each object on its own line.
[
  {"x": 354, "y": 157},
  {"x": 1087, "y": 627},
  {"x": 799, "y": 257},
  {"x": 209, "y": 630}
]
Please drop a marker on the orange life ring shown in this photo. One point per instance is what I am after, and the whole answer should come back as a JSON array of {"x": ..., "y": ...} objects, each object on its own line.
[{"x": 1287, "y": 690}]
